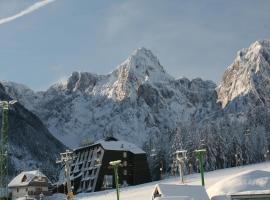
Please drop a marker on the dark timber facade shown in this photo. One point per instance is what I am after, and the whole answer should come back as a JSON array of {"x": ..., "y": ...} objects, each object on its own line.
[{"x": 91, "y": 171}]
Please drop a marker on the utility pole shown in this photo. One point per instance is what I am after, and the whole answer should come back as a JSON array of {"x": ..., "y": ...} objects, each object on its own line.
[
  {"x": 4, "y": 148},
  {"x": 115, "y": 164},
  {"x": 181, "y": 156},
  {"x": 200, "y": 153},
  {"x": 66, "y": 159}
]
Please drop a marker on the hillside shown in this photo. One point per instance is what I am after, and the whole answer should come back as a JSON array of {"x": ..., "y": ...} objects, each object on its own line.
[{"x": 29, "y": 140}]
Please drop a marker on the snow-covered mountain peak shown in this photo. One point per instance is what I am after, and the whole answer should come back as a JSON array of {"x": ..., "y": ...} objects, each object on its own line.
[
  {"x": 259, "y": 50},
  {"x": 143, "y": 65},
  {"x": 145, "y": 57},
  {"x": 249, "y": 72}
]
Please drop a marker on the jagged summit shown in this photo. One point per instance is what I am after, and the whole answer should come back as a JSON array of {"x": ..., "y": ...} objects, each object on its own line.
[
  {"x": 144, "y": 57},
  {"x": 249, "y": 74},
  {"x": 140, "y": 67},
  {"x": 143, "y": 65}
]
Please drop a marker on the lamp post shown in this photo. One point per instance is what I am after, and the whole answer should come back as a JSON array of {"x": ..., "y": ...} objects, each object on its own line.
[
  {"x": 181, "y": 156},
  {"x": 200, "y": 153},
  {"x": 4, "y": 148},
  {"x": 115, "y": 164}
]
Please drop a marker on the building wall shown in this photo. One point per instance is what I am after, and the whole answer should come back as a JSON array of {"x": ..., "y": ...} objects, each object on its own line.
[
  {"x": 125, "y": 173},
  {"x": 85, "y": 168},
  {"x": 19, "y": 192},
  {"x": 27, "y": 191},
  {"x": 141, "y": 169},
  {"x": 134, "y": 169},
  {"x": 88, "y": 176}
]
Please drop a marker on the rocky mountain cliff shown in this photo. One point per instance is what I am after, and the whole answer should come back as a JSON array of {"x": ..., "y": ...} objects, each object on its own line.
[
  {"x": 246, "y": 83},
  {"x": 134, "y": 102},
  {"x": 29, "y": 140}
]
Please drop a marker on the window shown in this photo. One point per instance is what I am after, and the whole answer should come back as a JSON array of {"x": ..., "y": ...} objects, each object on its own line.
[
  {"x": 125, "y": 172},
  {"x": 125, "y": 184},
  {"x": 24, "y": 178},
  {"x": 124, "y": 154},
  {"x": 125, "y": 163},
  {"x": 17, "y": 190},
  {"x": 107, "y": 181}
]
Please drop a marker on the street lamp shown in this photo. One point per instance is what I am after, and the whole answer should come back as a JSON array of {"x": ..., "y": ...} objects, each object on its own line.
[
  {"x": 115, "y": 164},
  {"x": 4, "y": 148},
  {"x": 200, "y": 153},
  {"x": 181, "y": 156}
]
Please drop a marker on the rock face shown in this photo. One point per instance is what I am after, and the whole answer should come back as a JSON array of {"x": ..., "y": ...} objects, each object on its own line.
[
  {"x": 29, "y": 140},
  {"x": 247, "y": 81}
]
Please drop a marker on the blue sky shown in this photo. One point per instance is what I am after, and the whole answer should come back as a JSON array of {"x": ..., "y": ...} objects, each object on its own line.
[{"x": 191, "y": 38}]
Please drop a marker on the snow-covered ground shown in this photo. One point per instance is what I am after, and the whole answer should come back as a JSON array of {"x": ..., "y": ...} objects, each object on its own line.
[{"x": 237, "y": 179}]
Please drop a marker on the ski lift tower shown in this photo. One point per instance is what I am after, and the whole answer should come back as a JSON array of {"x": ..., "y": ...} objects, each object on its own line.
[
  {"x": 181, "y": 156},
  {"x": 4, "y": 148},
  {"x": 66, "y": 159}
]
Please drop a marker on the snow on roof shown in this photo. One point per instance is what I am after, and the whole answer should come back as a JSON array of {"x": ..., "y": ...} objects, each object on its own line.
[
  {"x": 24, "y": 178},
  {"x": 174, "y": 198},
  {"x": 253, "y": 192},
  {"x": 244, "y": 182},
  {"x": 195, "y": 192},
  {"x": 118, "y": 145}
]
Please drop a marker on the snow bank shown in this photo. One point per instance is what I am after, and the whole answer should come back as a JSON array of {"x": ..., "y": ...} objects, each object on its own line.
[
  {"x": 225, "y": 176},
  {"x": 252, "y": 180}
]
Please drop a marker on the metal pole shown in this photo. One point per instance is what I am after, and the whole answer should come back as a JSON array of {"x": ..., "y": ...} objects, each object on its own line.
[
  {"x": 66, "y": 160},
  {"x": 181, "y": 157},
  {"x": 116, "y": 181},
  {"x": 200, "y": 154},
  {"x": 4, "y": 150},
  {"x": 201, "y": 169},
  {"x": 181, "y": 172},
  {"x": 115, "y": 164}
]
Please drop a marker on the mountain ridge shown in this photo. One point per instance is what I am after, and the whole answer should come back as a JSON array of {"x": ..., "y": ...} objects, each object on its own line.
[{"x": 140, "y": 81}]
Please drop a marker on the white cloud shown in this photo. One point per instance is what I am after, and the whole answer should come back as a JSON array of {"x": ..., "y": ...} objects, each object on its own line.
[{"x": 28, "y": 10}]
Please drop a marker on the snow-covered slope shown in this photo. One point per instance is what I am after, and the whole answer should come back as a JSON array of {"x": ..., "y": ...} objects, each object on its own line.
[
  {"x": 134, "y": 102},
  {"x": 256, "y": 176},
  {"x": 29, "y": 140},
  {"x": 247, "y": 80}
]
